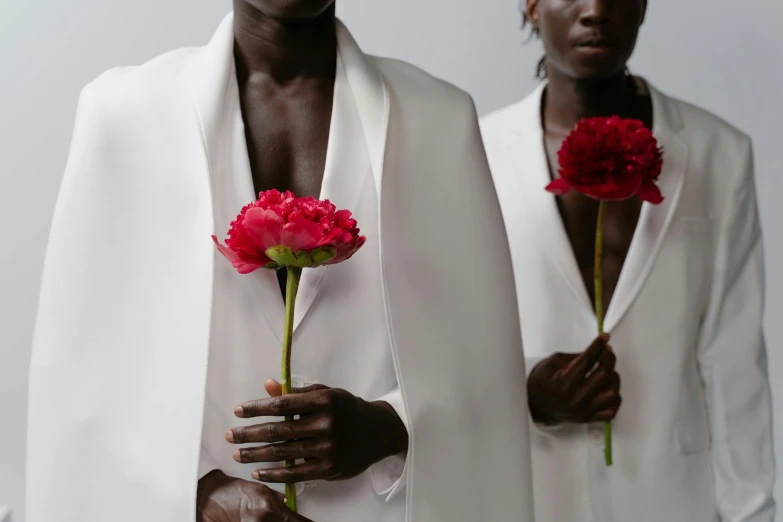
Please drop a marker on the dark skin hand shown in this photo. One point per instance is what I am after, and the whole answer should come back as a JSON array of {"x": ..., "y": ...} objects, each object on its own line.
[
  {"x": 286, "y": 55},
  {"x": 338, "y": 435},
  {"x": 226, "y": 499},
  {"x": 576, "y": 388},
  {"x": 588, "y": 43}
]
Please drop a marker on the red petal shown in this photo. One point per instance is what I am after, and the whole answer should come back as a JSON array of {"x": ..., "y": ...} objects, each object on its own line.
[
  {"x": 331, "y": 238},
  {"x": 246, "y": 267},
  {"x": 264, "y": 227},
  {"x": 301, "y": 234},
  {"x": 223, "y": 249},
  {"x": 346, "y": 250},
  {"x": 243, "y": 266},
  {"x": 559, "y": 187},
  {"x": 651, "y": 193}
]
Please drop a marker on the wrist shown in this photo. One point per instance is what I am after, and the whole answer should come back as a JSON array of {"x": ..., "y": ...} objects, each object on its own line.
[
  {"x": 539, "y": 417},
  {"x": 390, "y": 431},
  {"x": 537, "y": 413}
]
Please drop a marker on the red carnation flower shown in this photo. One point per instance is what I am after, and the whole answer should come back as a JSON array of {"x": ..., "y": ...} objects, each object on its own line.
[
  {"x": 280, "y": 230},
  {"x": 610, "y": 159}
]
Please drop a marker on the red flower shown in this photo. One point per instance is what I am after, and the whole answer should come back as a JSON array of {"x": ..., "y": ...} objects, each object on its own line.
[
  {"x": 282, "y": 230},
  {"x": 609, "y": 159}
]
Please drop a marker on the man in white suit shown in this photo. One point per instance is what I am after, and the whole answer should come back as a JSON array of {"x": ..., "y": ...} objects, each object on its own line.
[
  {"x": 685, "y": 286},
  {"x": 147, "y": 341}
]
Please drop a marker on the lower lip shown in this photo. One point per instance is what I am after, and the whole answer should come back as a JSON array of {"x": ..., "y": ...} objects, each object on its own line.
[{"x": 589, "y": 50}]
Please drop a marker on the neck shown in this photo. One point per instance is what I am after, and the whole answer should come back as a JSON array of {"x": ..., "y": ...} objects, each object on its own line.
[
  {"x": 283, "y": 50},
  {"x": 568, "y": 100}
]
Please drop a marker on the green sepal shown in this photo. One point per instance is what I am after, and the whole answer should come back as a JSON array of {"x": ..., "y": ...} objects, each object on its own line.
[{"x": 282, "y": 255}]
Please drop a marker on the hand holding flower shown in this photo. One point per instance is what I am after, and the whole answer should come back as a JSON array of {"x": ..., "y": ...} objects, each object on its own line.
[
  {"x": 609, "y": 159},
  {"x": 578, "y": 388},
  {"x": 278, "y": 231},
  {"x": 338, "y": 435}
]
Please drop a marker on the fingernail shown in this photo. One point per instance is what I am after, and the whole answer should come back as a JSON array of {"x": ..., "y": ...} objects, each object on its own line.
[
  {"x": 256, "y": 475},
  {"x": 237, "y": 455},
  {"x": 230, "y": 436},
  {"x": 239, "y": 411}
]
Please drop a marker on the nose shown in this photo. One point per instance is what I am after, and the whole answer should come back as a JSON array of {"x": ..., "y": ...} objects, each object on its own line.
[{"x": 596, "y": 12}]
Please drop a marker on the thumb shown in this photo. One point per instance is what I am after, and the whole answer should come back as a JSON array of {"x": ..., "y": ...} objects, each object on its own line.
[{"x": 273, "y": 388}]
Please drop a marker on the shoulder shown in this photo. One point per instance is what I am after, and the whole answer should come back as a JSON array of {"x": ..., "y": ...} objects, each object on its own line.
[
  {"x": 498, "y": 125},
  {"x": 124, "y": 92},
  {"x": 705, "y": 131},
  {"x": 502, "y": 120},
  {"x": 418, "y": 83},
  {"x": 720, "y": 155}
]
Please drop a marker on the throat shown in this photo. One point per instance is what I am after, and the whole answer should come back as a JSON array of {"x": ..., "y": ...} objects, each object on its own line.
[{"x": 567, "y": 100}]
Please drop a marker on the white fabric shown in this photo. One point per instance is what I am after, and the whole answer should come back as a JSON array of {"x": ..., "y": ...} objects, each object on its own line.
[
  {"x": 341, "y": 325},
  {"x": 121, "y": 349},
  {"x": 693, "y": 437}
]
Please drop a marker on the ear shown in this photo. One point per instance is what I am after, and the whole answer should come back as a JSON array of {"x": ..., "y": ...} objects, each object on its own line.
[{"x": 531, "y": 12}]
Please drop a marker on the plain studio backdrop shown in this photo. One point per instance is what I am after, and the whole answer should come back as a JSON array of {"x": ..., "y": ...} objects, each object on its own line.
[{"x": 714, "y": 53}]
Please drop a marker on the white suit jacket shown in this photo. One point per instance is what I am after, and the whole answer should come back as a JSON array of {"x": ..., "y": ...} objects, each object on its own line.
[
  {"x": 121, "y": 343},
  {"x": 693, "y": 437}
]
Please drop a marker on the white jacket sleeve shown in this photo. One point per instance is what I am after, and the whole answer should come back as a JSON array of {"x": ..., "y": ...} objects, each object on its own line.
[
  {"x": 389, "y": 475},
  {"x": 733, "y": 361}
]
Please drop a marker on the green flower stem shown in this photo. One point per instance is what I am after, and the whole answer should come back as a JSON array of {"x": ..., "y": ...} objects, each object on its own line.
[
  {"x": 292, "y": 285},
  {"x": 599, "y": 310}
]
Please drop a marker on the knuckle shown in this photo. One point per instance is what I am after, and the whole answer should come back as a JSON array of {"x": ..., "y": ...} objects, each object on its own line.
[
  {"x": 328, "y": 425},
  {"x": 240, "y": 435},
  {"x": 332, "y": 397},
  {"x": 272, "y": 431},
  {"x": 277, "y": 406},
  {"x": 278, "y": 452},
  {"x": 245, "y": 455},
  {"x": 329, "y": 451},
  {"x": 331, "y": 468},
  {"x": 260, "y": 507}
]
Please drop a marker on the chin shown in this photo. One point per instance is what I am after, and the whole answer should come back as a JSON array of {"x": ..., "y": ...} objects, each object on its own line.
[
  {"x": 597, "y": 71},
  {"x": 598, "y": 64},
  {"x": 292, "y": 10}
]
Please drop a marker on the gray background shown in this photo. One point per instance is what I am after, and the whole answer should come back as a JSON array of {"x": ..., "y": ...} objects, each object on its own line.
[{"x": 719, "y": 54}]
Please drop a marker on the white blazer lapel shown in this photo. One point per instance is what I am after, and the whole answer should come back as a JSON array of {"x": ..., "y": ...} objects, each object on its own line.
[
  {"x": 343, "y": 178},
  {"x": 654, "y": 220},
  {"x": 530, "y": 170},
  {"x": 208, "y": 76},
  {"x": 372, "y": 99}
]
